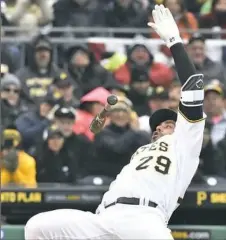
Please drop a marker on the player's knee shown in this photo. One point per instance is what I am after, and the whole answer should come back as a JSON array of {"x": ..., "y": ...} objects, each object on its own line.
[{"x": 34, "y": 229}]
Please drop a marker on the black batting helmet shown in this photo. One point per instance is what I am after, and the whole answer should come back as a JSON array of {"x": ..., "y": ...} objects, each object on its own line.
[{"x": 160, "y": 116}]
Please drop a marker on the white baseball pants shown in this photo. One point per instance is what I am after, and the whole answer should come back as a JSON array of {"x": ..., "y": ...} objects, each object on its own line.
[{"x": 116, "y": 222}]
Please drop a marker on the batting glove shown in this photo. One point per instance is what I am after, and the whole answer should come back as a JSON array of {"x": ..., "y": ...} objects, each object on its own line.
[{"x": 165, "y": 25}]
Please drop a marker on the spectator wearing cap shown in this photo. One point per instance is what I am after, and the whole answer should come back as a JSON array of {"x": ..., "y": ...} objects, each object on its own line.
[
  {"x": 38, "y": 75},
  {"x": 64, "y": 117},
  {"x": 11, "y": 105},
  {"x": 212, "y": 70},
  {"x": 77, "y": 146},
  {"x": 214, "y": 109},
  {"x": 91, "y": 104},
  {"x": 139, "y": 92},
  {"x": 17, "y": 167},
  {"x": 65, "y": 91},
  {"x": 141, "y": 59},
  {"x": 86, "y": 73},
  {"x": 158, "y": 99},
  {"x": 115, "y": 144},
  {"x": 53, "y": 162},
  {"x": 32, "y": 124}
]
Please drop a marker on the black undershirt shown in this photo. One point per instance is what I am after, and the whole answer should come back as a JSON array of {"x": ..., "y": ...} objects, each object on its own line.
[{"x": 185, "y": 69}]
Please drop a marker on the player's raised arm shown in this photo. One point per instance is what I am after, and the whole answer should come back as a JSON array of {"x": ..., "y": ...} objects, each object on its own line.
[
  {"x": 192, "y": 92},
  {"x": 189, "y": 128}
]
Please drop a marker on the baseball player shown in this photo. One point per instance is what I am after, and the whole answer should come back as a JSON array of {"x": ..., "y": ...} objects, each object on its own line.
[{"x": 146, "y": 192}]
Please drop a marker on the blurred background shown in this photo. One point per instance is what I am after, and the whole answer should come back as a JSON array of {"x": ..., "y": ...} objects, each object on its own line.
[{"x": 60, "y": 60}]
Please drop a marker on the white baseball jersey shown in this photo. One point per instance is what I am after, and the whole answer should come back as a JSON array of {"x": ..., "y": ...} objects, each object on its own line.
[{"x": 161, "y": 171}]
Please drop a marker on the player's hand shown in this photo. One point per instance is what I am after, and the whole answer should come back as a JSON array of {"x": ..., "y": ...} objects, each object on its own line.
[{"x": 165, "y": 25}]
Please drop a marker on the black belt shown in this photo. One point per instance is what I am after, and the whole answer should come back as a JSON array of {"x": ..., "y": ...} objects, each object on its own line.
[{"x": 132, "y": 201}]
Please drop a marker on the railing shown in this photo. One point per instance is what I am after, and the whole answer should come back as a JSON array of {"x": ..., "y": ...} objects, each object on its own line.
[
  {"x": 106, "y": 36},
  {"x": 107, "y": 30}
]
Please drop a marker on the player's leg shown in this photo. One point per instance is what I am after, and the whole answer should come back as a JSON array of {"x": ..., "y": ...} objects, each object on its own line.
[
  {"x": 66, "y": 224},
  {"x": 147, "y": 229},
  {"x": 136, "y": 222}
]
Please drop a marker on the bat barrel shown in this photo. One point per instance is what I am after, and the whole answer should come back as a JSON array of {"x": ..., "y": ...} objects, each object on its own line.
[{"x": 112, "y": 100}]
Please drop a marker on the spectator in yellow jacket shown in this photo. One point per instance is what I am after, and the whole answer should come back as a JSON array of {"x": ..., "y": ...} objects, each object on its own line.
[{"x": 17, "y": 167}]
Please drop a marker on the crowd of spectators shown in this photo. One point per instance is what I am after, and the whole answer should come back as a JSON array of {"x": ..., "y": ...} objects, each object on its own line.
[
  {"x": 189, "y": 14},
  {"x": 48, "y": 105}
]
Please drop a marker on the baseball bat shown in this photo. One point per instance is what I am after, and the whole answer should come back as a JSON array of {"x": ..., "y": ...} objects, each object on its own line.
[{"x": 98, "y": 122}]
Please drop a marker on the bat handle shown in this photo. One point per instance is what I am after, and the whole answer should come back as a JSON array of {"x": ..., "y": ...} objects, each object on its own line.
[
  {"x": 97, "y": 123},
  {"x": 104, "y": 112}
]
